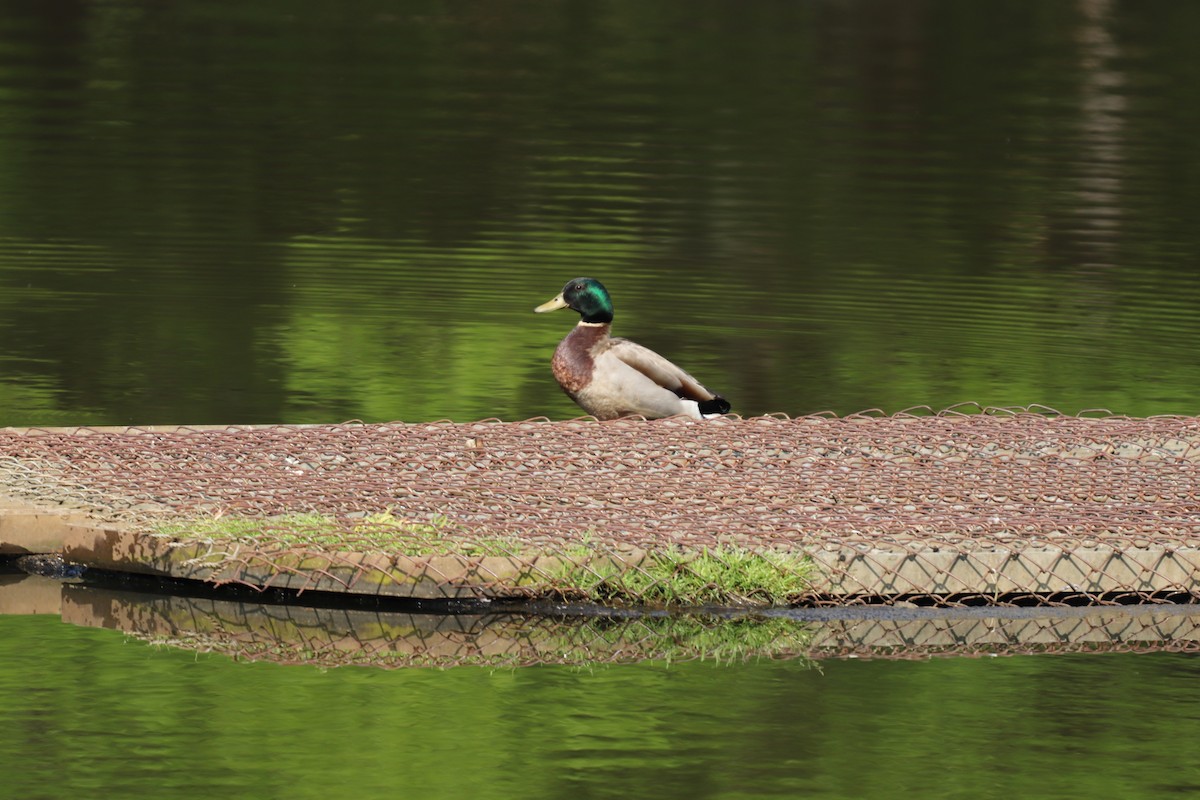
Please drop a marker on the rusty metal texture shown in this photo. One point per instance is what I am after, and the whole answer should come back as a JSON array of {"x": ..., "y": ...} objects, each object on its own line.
[{"x": 967, "y": 480}]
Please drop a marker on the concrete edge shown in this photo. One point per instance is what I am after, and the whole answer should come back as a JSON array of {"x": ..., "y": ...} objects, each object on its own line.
[
  {"x": 372, "y": 574},
  {"x": 841, "y": 573},
  {"x": 28, "y": 530}
]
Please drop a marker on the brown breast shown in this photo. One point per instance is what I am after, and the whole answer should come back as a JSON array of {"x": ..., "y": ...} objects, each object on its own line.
[{"x": 573, "y": 362}]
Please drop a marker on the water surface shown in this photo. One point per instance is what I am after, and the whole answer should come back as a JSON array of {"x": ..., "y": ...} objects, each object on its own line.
[
  {"x": 288, "y": 212},
  {"x": 139, "y": 721},
  {"x": 297, "y": 211}
]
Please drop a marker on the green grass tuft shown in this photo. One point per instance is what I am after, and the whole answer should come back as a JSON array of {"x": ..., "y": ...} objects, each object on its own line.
[
  {"x": 584, "y": 569},
  {"x": 382, "y": 532},
  {"x": 711, "y": 576}
]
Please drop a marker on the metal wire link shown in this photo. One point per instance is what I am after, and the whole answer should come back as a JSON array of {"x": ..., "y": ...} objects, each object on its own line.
[{"x": 898, "y": 490}]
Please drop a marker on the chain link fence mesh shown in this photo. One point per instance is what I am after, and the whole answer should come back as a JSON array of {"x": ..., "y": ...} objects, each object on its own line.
[{"x": 963, "y": 506}]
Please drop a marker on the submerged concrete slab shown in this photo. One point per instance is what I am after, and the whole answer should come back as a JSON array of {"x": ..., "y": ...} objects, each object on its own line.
[
  {"x": 443, "y": 577},
  {"x": 985, "y": 505},
  {"x": 917, "y": 570},
  {"x": 25, "y": 532}
]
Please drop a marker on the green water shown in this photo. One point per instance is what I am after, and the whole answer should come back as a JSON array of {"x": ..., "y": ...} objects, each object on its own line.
[
  {"x": 297, "y": 211},
  {"x": 300, "y": 211},
  {"x": 115, "y": 717}
]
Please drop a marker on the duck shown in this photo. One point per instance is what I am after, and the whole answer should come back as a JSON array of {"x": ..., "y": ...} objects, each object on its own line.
[{"x": 610, "y": 377}]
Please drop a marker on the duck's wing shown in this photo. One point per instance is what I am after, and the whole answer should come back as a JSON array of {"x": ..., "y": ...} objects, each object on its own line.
[{"x": 659, "y": 370}]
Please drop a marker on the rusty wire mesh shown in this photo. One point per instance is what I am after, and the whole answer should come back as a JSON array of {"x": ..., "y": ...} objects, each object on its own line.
[{"x": 965, "y": 505}]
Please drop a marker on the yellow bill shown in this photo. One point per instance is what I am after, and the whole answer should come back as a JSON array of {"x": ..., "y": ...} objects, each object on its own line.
[{"x": 552, "y": 305}]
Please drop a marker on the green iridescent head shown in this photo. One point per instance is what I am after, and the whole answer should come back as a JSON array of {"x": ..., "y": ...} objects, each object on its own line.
[{"x": 585, "y": 295}]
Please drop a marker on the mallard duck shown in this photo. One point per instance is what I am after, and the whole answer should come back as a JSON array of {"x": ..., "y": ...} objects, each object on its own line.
[{"x": 611, "y": 378}]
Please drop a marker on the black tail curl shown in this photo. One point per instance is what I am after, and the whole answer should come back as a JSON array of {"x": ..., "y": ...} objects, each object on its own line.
[{"x": 718, "y": 405}]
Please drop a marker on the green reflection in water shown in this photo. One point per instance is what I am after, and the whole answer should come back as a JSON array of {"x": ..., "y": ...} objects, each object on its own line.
[
  {"x": 117, "y": 717},
  {"x": 285, "y": 212}
]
